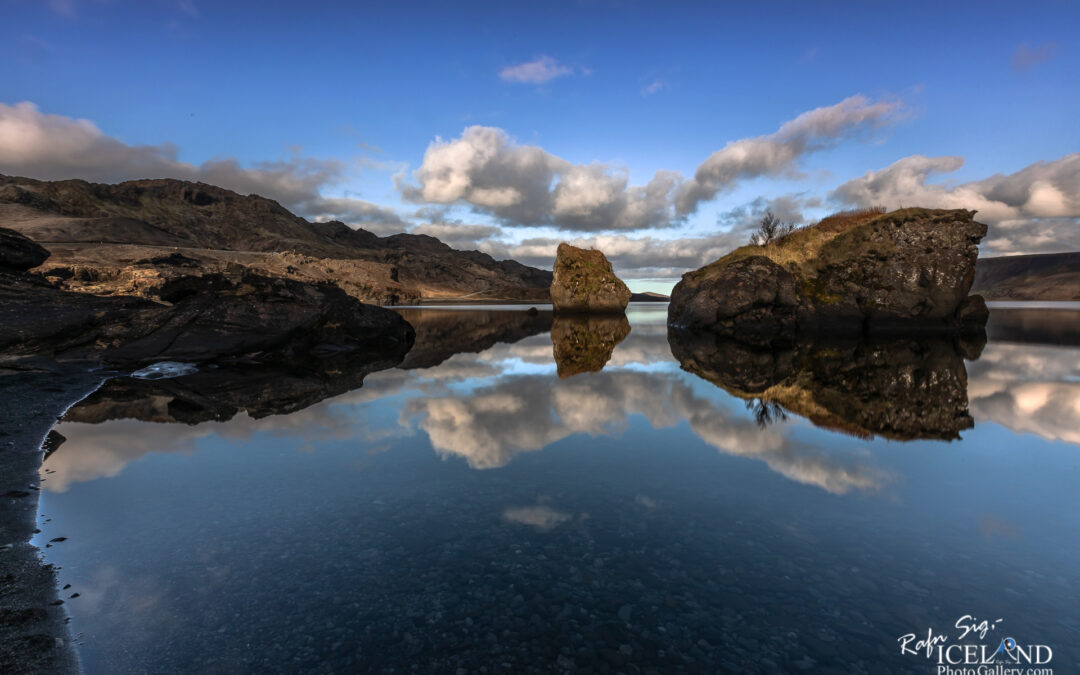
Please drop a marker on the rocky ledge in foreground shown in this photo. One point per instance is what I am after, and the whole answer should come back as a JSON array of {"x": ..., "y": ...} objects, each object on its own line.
[
  {"x": 908, "y": 271},
  {"x": 584, "y": 282},
  {"x": 244, "y": 317}
]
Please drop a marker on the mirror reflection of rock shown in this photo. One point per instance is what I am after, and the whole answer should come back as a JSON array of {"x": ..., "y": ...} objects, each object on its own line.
[
  {"x": 584, "y": 343},
  {"x": 900, "y": 389}
]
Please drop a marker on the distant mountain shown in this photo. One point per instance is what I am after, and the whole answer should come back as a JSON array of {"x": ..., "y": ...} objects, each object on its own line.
[
  {"x": 648, "y": 296},
  {"x": 109, "y": 239},
  {"x": 1048, "y": 276}
]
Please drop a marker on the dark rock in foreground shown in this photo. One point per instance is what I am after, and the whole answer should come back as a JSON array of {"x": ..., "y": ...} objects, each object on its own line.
[
  {"x": 17, "y": 253},
  {"x": 212, "y": 317},
  {"x": 584, "y": 282},
  {"x": 903, "y": 272},
  {"x": 583, "y": 344},
  {"x": 899, "y": 388}
]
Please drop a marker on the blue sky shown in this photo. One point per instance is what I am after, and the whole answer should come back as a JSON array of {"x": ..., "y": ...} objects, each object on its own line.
[{"x": 343, "y": 100}]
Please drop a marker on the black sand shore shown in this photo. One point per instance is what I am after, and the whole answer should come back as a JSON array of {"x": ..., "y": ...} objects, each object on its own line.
[{"x": 34, "y": 636}]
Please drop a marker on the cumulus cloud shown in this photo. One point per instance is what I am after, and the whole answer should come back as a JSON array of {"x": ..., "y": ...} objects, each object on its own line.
[
  {"x": 1028, "y": 388},
  {"x": 526, "y": 185},
  {"x": 457, "y": 235},
  {"x": 490, "y": 426},
  {"x": 56, "y": 147},
  {"x": 1028, "y": 56},
  {"x": 356, "y": 212},
  {"x": 1034, "y": 209},
  {"x": 538, "y": 71},
  {"x": 778, "y": 153},
  {"x": 645, "y": 257},
  {"x": 632, "y": 257},
  {"x": 789, "y": 208}
]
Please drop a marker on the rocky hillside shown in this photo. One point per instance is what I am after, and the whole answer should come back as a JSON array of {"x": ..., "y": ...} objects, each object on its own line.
[
  {"x": 1050, "y": 276},
  {"x": 122, "y": 239},
  {"x": 246, "y": 317},
  {"x": 867, "y": 272}
]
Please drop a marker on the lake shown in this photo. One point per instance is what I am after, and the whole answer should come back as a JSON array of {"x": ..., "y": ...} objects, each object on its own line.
[{"x": 529, "y": 495}]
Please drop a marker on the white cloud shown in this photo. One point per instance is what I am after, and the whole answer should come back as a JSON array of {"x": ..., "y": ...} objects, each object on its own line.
[
  {"x": 528, "y": 186},
  {"x": 56, "y": 147},
  {"x": 1029, "y": 389},
  {"x": 539, "y": 71},
  {"x": 489, "y": 427},
  {"x": 779, "y": 152},
  {"x": 1034, "y": 209},
  {"x": 456, "y": 235},
  {"x": 632, "y": 257}
]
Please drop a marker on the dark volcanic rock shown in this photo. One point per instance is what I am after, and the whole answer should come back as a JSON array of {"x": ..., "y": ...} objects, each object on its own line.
[
  {"x": 754, "y": 297},
  {"x": 900, "y": 388},
  {"x": 17, "y": 253},
  {"x": 583, "y": 281},
  {"x": 252, "y": 319},
  {"x": 583, "y": 344},
  {"x": 903, "y": 272}
]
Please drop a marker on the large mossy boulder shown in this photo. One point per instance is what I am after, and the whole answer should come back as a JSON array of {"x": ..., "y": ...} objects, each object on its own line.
[
  {"x": 584, "y": 282},
  {"x": 908, "y": 271}
]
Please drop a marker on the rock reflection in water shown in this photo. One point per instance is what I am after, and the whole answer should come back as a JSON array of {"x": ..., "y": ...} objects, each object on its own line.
[
  {"x": 219, "y": 394},
  {"x": 900, "y": 389},
  {"x": 441, "y": 333},
  {"x": 583, "y": 344}
]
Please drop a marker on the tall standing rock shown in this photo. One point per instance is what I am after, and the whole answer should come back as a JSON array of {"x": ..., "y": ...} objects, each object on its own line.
[{"x": 584, "y": 282}]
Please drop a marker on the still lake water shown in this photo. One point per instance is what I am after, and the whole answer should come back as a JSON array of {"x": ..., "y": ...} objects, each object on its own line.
[{"x": 473, "y": 511}]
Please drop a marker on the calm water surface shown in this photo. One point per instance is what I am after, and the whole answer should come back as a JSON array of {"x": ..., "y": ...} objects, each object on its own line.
[{"x": 483, "y": 507}]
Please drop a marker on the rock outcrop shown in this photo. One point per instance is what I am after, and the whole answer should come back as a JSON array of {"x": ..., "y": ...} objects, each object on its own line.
[
  {"x": 900, "y": 389},
  {"x": 211, "y": 317},
  {"x": 583, "y": 344},
  {"x": 98, "y": 232},
  {"x": 584, "y": 282},
  {"x": 17, "y": 253},
  {"x": 908, "y": 271}
]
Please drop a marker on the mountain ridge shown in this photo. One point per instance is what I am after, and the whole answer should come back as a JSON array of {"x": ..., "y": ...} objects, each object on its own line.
[{"x": 81, "y": 221}]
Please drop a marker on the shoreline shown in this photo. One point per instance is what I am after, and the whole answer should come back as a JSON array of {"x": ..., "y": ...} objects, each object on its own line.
[{"x": 34, "y": 633}]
